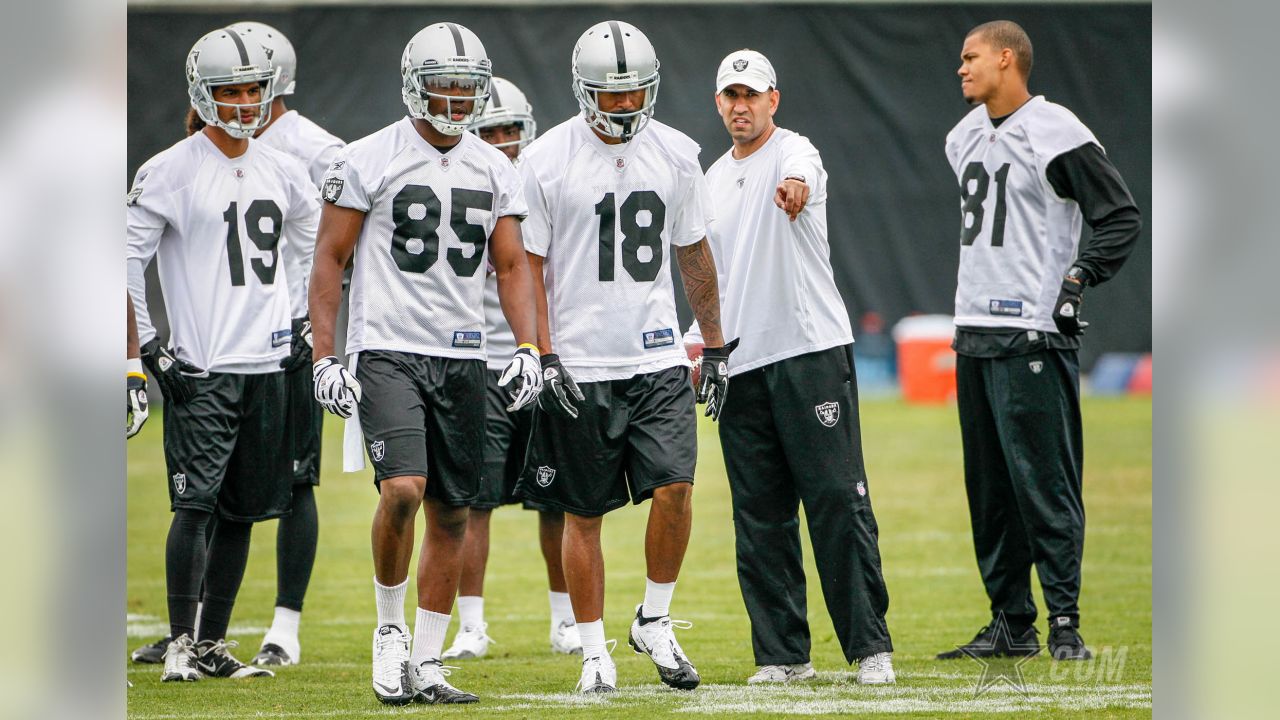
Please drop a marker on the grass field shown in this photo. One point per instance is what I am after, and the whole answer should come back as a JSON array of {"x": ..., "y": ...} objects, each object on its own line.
[{"x": 914, "y": 463}]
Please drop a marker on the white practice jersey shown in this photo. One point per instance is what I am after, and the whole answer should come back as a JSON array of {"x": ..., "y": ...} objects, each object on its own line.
[
  {"x": 777, "y": 292},
  {"x": 315, "y": 148},
  {"x": 418, "y": 281},
  {"x": 1017, "y": 237},
  {"x": 605, "y": 217},
  {"x": 223, "y": 231}
]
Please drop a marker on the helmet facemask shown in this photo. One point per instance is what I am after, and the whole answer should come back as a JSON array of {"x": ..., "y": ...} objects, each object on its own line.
[
  {"x": 201, "y": 90},
  {"x": 451, "y": 85},
  {"x": 622, "y": 125}
]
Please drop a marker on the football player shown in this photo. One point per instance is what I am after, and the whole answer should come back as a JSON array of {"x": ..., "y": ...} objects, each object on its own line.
[
  {"x": 612, "y": 194},
  {"x": 770, "y": 237},
  {"x": 298, "y": 532},
  {"x": 422, "y": 204},
  {"x": 228, "y": 218},
  {"x": 1030, "y": 175},
  {"x": 507, "y": 123}
]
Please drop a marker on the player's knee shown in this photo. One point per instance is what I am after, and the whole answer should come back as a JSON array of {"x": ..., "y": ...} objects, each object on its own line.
[
  {"x": 400, "y": 497},
  {"x": 450, "y": 521},
  {"x": 676, "y": 496}
]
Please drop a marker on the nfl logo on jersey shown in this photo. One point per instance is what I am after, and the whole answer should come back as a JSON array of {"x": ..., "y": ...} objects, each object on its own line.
[{"x": 828, "y": 413}]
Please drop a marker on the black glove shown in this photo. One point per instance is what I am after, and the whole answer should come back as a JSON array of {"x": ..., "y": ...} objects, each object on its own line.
[
  {"x": 299, "y": 346},
  {"x": 1066, "y": 311},
  {"x": 174, "y": 375},
  {"x": 714, "y": 386},
  {"x": 558, "y": 388}
]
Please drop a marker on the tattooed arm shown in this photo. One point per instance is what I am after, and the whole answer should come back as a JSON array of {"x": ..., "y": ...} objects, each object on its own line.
[{"x": 698, "y": 269}]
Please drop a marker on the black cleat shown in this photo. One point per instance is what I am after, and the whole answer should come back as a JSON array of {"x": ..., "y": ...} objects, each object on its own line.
[
  {"x": 272, "y": 654},
  {"x": 431, "y": 687},
  {"x": 1065, "y": 642},
  {"x": 997, "y": 640},
  {"x": 654, "y": 637},
  {"x": 214, "y": 659},
  {"x": 152, "y": 654}
]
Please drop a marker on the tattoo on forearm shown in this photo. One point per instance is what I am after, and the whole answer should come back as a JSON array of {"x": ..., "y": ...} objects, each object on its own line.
[{"x": 698, "y": 269}]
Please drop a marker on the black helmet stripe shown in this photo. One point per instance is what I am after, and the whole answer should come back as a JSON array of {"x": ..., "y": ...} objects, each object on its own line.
[
  {"x": 493, "y": 95},
  {"x": 244, "y": 52},
  {"x": 459, "y": 47},
  {"x": 618, "y": 48}
]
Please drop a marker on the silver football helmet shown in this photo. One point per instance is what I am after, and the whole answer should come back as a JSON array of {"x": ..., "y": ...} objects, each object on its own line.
[
  {"x": 507, "y": 106},
  {"x": 279, "y": 49},
  {"x": 223, "y": 57},
  {"x": 614, "y": 56},
  {"x": 445, "y": 56}
]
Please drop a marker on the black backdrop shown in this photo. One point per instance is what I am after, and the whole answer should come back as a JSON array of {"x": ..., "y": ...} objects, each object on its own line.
[{"x": 873, "y": 86}]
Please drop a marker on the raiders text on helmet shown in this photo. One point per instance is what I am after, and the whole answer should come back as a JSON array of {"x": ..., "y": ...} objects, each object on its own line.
[
  {"x": 508, "y": 106},
  {"x": 445, "y": 57},
  {"x": 614, "y": 56},
  {"x": 224, "y": 57},
  {"x": 279, "y": 49}
]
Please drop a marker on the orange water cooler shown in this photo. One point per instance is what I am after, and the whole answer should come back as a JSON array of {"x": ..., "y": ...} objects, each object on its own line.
[{"x": 926, "y": 362}]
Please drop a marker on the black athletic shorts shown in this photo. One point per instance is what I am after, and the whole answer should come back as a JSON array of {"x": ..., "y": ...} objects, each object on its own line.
[
  {"x": 506, "y": 440},
  {"x": 305, "y": 419},
  {"x": 227, "y": 448},
  {"x": 630, "y": 437},
  {"x": 424, "y": 416}
]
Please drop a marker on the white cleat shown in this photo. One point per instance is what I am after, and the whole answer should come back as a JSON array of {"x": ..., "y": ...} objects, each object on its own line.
[
  {"x": 391, "y": 683},
  {"x": 782, "y": 674},
  {"x": 876, "y": 670},
  {"x": 655, "y": 637},
  {"x": 431, "y": 687},
  {"x": 180, "y": 661},
  {"x": 599, "y": 675},
  {"x": 565, "y": 639},
  {"x": 470, "y": 642}
]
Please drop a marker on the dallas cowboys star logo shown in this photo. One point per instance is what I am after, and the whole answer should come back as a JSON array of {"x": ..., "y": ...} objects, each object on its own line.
[{"x": 998, "y": 669}]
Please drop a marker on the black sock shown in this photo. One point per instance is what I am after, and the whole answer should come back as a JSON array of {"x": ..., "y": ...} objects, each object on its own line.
[
  {"x": 296, "y": 541},
  {"x": 184, "y": 563},
  {"x": 228, "y": 556}
]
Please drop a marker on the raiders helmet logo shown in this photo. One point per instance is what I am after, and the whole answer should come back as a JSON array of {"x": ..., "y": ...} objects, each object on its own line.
[
  {"x": 377, "y": 450},
  {"x": 828, "y": 413},
  {"x": 180, "y": 483},
  {"x": 545, "y": 475},
  {"x": 332, "y": 189},
  {"x": 739, "y": 65},
  {"x": 1036, "y": 366}
]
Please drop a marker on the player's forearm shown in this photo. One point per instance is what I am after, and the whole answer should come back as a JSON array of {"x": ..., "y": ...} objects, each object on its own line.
[
  {"x": 698, "y": 269},
  {"x": 322, "y": 303},
  {"x": 519, "y": 306},
  {"x": 540, "y": 303},
  {"x": 132, "y": 347}
]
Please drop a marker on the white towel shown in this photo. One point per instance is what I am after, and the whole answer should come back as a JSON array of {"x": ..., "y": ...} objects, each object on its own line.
[{"x": 352, "y": 436}]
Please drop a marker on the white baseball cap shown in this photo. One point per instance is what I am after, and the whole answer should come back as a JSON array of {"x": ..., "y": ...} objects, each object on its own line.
[{"x": 746, "y": 67}]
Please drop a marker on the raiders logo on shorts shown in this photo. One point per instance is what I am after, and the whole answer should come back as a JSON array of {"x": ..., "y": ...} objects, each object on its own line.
[
  {"x": 828, "y": 413},
  {"x": 545, "y": 475}
]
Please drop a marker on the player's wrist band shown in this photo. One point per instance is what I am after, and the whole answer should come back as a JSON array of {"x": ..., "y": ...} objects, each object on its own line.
[
  {"x": 531, "y": 346},
  {"x": 133, "y": 366}
]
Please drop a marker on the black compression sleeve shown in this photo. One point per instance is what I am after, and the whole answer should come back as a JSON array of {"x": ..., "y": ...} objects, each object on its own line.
[{"x": 1087, "y": 176}]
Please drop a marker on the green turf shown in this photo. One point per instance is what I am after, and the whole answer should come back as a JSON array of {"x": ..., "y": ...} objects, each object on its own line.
[{"x": 914, "y": 462}]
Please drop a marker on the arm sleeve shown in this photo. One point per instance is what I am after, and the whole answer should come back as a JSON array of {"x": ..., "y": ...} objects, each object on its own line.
[
  {"x": 694, "y": 213},
  {"x": 321, "y": 162},
  {"x": 299, "y": 237},
  {"x": 343, "y": 185},
  {"x": 536, "y": 229},
  {"x": 145, "y": 222},
  {"x": 801, "y": 158},
  {"x": 511, "y": 199},
  {"x": 1086, "y": 175}
]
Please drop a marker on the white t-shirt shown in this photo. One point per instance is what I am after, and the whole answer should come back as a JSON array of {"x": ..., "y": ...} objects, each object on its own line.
[
  {"x": 1017, "y": 237},
  {"x": 315, "y": 148},
  {"x": 225, "y": 232},
  {"x": 777, "y": 292},
  {"x": 606, "y": 218},
  {"x": 418, "y": 281}
]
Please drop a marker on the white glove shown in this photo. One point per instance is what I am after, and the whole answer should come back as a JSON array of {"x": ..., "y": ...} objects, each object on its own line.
[
  {"x": 524, "y": 375},
  {"x": 136, "y": 410},
  {"x": 337, "y": 390}
]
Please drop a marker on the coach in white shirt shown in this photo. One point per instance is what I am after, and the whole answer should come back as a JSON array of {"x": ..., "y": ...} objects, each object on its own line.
[{"x": 789, "y": 429}]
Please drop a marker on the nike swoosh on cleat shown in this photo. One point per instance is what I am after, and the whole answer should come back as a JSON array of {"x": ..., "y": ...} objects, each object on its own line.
[{"x": 386, "y": 690}]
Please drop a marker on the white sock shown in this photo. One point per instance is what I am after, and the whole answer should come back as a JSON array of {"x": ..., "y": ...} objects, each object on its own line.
[
  {"x": 592, "y": 635},
  {"x": 390, "y": 603},
  {"x": 470, "y": 611},
  {"x": 657, "y": 598},
  {"x": 199, "y": 611},
  {"x": 428, "y": 635},
  {"x": 284, "y": 631},
  {"x": 561, "y": 608}
]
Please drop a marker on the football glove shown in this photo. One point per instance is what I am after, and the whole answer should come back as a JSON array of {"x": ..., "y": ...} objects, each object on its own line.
[
  {"x": 558, "y": 388},
  {"x": 713, "y": 387},
  {"x": 175, "y": 376},
  {"x": 524, "y": 375},
  {"x": 337, "y": 390},
  {"x": 135, "y": 413},
  {"x": 299, "y": 347},
  {"x": 1066, "y": 311}
]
